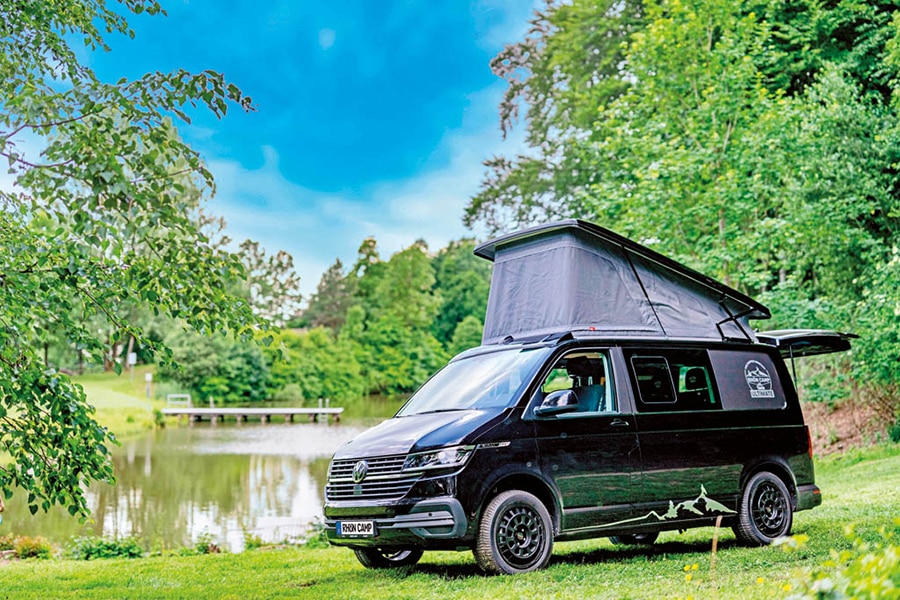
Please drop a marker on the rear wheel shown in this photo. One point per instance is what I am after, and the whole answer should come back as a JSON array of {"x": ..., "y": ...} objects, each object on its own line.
[
  {"x": 380, "y": 558},
  {"x": 515, "y": 534},
  {"x": 634, "y": 539},
  {"x": 765, "y": 512}
]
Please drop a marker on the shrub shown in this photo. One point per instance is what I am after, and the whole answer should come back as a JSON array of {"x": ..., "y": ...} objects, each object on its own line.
[
  {"x": 252, "y": 541},
  {"x": 90, "y": 548},
  {"x": 27, "y": 547},
  {"x": 315, "y": 535},
  {"x": 865, "y": 571},
  {"x": 894, "y": 431},
  {"x": 290, "y": 392},
  {"x": 7, "y": 542},
  {"x": 205, "y": 544}
]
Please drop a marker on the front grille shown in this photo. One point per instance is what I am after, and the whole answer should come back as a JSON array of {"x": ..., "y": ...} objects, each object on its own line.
[{"x": 384, "y": 481}]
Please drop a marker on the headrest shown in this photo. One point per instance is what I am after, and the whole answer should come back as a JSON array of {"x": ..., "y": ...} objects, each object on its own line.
[
  {"x": 695, "y": 379},
  {"x": 582, "y": 366}
]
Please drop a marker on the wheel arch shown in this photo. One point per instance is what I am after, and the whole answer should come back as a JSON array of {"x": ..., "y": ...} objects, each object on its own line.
[
  {"x": 525, "y": 482},
  {"x": 778, "y": 467}
]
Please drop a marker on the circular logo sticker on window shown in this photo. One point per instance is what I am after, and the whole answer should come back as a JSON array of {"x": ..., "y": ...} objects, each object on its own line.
[{"x": 759, "y": 380}]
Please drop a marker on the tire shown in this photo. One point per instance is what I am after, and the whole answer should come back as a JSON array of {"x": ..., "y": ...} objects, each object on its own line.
[
  {"x": 765, "y": 513},
  {"x": 380, "y": 558},
  {"x": 515, "y": 534},
  {"x": 634, "y": 539}
]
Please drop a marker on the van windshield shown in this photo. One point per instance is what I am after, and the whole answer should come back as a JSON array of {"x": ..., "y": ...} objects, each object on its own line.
[{"x": 492, "y": 380}]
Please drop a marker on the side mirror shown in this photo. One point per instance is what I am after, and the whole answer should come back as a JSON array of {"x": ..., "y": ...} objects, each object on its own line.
[{"x": 557, "y": 403}]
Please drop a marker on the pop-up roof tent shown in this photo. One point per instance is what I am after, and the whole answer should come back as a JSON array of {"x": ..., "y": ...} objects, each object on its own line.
[{"x": 573, "y": 275}]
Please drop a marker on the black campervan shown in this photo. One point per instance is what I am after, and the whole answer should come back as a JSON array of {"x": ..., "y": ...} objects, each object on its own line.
[{"x": 617, "y": 394}]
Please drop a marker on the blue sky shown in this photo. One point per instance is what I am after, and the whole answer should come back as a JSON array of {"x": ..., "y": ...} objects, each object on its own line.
[{"x": 373, "y": 119}]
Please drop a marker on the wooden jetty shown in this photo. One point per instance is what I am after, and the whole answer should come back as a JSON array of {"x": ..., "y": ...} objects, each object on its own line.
[{"x": 215, "y": 415}]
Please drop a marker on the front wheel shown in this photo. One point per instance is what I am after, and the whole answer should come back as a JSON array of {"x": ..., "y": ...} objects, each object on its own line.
[
  {"x": 515, "y": 534},
  {"x": 634, "y": 539},
  {"x": 379, "y": 558},
  {"x": 765, "y": 512}
]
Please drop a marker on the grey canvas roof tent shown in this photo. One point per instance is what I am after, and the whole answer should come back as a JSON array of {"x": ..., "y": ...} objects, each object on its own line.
[{"x": 572, "y": 275}]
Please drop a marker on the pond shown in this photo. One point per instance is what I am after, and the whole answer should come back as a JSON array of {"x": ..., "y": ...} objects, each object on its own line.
[{"x": 223, "y": 481}]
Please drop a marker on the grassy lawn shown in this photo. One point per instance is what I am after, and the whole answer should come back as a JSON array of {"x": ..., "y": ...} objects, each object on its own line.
[
  {"x": 860, "y": 489},
  {"x": 121, "y": 401}
]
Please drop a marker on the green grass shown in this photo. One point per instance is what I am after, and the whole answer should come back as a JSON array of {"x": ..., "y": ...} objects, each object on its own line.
[
  {"x": 121, "y": 401},
  {"x": 859, "y": 489}
]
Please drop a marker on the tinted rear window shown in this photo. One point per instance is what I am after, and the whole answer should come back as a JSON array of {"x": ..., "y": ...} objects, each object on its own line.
[
  {"x": 672, "y": 380},
  {"x": 747, "y": 380}
]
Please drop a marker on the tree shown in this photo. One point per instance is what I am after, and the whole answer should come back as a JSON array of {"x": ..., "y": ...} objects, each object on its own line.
[
  {"x": 273, "y": 286},
  {"x": 754, "y": 141},
  {"x": 334, "y": 295},
  {"x": 317, "y": 365},
  {"x": 462, "y": 281},
  {"x": 467, "y": 334},
  {"x": 388, "y": 327},
  {"x": 405, "y": 288},
  {"x": 366, "y": 272},
  {"x": 571, "y": 61},
  {"x": 216, "y": 367},
  {"x": 104, "y": 210},
  {"x": 697, "y": 132}
]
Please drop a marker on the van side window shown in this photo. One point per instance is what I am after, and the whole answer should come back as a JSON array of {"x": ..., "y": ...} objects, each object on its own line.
[
  {"x": 748, "y": 380},
  {"x": 672, "y": 380},
  {"x": 654, "y": 383},
  {"x": 586, "y": 373}
]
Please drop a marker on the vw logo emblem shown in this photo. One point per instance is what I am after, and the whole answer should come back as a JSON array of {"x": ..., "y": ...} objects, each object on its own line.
[{"x": 360, "y": 470}]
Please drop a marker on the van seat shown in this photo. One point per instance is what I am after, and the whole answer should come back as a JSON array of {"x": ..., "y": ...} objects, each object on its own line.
[{"x": 590, "y": 398}]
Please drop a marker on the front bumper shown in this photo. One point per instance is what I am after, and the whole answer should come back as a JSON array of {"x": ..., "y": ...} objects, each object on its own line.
[{"x": 432, "y": 520}]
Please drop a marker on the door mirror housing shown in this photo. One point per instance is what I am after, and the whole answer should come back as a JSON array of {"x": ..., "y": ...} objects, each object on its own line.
[{"x": 557, "y": 403}]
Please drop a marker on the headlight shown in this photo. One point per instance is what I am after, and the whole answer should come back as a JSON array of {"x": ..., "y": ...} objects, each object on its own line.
[{"x": 438, "y": 459}]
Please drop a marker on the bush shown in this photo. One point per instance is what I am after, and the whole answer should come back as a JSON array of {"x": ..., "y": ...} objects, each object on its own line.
[
  {"x": 316, "y": 536},
  {"x": 227, "y": 370},
  {"x": 90, "y": 548},
  {"x": 7, "y": 542},
  {"x": 865, "y": 571},
  {"x": 894, "y": 431},
  {"x": 289, "y": 393},
  {"x": 205, "y": 544},
  {"x": 37, "y": 547},
  {"x": 252, "y": 541}
]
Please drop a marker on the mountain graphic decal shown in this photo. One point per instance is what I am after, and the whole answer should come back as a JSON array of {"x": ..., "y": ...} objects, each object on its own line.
[{"x": 701, "y": 506}]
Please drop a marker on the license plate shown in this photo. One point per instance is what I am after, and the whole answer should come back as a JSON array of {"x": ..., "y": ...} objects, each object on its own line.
[{"x": 356, "y": 528}]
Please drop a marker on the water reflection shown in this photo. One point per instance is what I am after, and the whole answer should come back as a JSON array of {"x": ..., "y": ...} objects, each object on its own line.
[{"x": 178, "y": 483}]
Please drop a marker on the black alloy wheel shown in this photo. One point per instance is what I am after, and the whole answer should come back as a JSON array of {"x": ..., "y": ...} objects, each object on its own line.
[
  {"x": 766, "y": 513},
  {"x": 515, "y": 534}
]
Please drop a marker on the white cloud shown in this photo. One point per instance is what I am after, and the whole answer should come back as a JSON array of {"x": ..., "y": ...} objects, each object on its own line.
[
  {"x": 262, "y": 204},
  {"x": 513, "y": 24},
  {"x": 326, "y": 38}
]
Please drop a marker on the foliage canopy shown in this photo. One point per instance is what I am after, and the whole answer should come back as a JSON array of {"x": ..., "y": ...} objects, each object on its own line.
[
  {"x": 100, "y": 212},
  {"x": 755, "y": 141}
]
